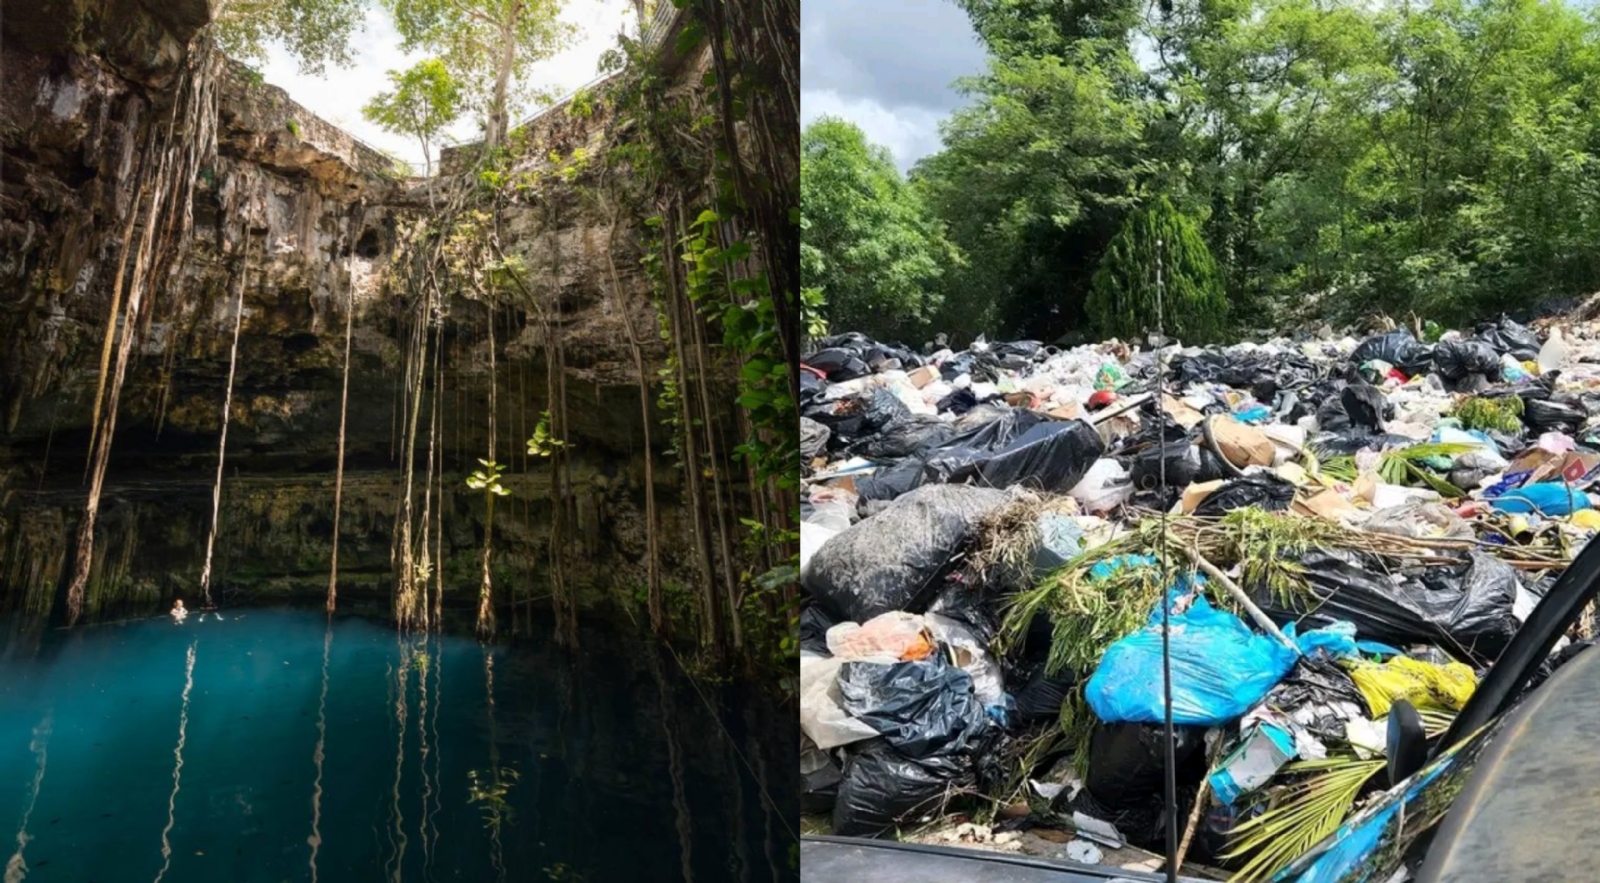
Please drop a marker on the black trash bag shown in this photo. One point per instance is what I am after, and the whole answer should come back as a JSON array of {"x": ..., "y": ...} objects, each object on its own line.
[
  {"x": 922, "y": 708},
  {"x": 1461, "y": 358},
  {"x": 1042, "y": 696},
  {"x": 1554, "y": 662},
  {"x": 1470, "y": 469},
  {"x": 897, "y": 559},
  {"x": 813, "y": 438},
  {"x": 895, "y": 481},
  {"x": 1263, "y": 491},
  {"x": 814, "y": 625},
  {"x": 1260, "y": 373},
  {"x": 959, "y": 402},
  {"x": 876, "y": 354},
  {"x": 820, "y": 775},
  {"x": 904, "y": 437},
  {"x": 1316, "y": 688},
  {"x": 884, "y": 409},
  {"x": 1186, "y": 463},
  {"x": 1481, "y": 622},
  {"x": 1331, "y": 415},
  {"x": 1027, "y": 349},
  {"x": 983, "y": 367},
  {"x": 988, "y": 429},
  {"x": 1506, "y": 336},
  {"x": 1399, "y": 348},
  {"x": 1050, "y": 456},
  {"x": 1127, "y": 762},
  {"x": 963, "y": 602},
  {"x": 846, "y": 421},
  {"x": 854, "y": 341},
  {"x": 1553, "y": 415},
  {"x": 839, "y": 364},
  {"x": 1365, "y": 405},
  {"x": 882, "y": 788},
  {"x": 1142, "y": 826},
  {"x": 811, "y": 386},
  {"x": 1464, "y": 609}
]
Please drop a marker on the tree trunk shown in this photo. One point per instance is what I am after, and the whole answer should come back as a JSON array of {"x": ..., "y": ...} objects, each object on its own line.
[{"x": 495, "y": 132}]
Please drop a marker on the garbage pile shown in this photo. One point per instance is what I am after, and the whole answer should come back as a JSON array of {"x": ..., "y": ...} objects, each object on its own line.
[{"x": 992, "y": 539}]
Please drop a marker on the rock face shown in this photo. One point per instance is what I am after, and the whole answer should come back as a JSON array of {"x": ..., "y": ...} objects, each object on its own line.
[{"x": 298, "y": 222}]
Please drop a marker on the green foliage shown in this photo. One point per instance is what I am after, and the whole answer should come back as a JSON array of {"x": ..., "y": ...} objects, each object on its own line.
[
  {"x": 293, "y": 125},
  {"x": 316, "y": 32},
  {"x": 1338, "y": 159},
  {"x": 1038, "y": 171},
  {"x": 1503, "y": 414},
  {"x": 489, "y": 789},
  {"x": 1308, "y": 811},
  {"x": 750, "y": 329},
  {"x": 1158, "y": 263},
  {"x": 866, "y": 238},
  {"x": 582, "y": 105},
  {"x": 423, "y": 101},
  {"x": 813, "y": 306},
  {"x": 543, "y": 442},
  {"x": 489, "y": 47},
  {"x": 487, "y": 479}
]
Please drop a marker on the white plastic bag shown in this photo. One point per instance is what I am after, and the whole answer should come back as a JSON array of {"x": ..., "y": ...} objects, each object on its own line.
[
  {"x": 987, "y": 682},
  {"x": 1105, "y": 487},
  {"x": 822, "y": 714}
]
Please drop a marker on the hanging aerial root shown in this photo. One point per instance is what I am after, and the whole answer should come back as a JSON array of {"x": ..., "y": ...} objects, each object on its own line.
[{"x": 227, "y": 410}]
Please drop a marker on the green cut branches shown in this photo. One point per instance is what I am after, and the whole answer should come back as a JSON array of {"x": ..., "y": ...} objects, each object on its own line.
[
  {"x": 1307, "y": 812},
  {"x": 1503, "y": 414}
]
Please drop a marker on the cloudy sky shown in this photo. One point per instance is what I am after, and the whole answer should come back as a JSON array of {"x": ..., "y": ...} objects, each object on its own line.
[
  {"x": 338, "y": 97},
  {"x": 887, "y": 66}
]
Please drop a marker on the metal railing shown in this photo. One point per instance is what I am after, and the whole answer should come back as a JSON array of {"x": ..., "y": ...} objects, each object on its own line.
[{"x": 660, "y": 23}]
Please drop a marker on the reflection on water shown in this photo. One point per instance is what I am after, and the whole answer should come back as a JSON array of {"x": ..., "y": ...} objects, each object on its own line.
[{"x": 278, "y": 745}]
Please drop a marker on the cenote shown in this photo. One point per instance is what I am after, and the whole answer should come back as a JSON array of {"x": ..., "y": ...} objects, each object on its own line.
[
  {"x": 468, "y": 464},
  {"x": 278, "y": 744}
]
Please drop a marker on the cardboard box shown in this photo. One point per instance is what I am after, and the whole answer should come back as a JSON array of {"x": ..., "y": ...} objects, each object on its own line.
[{"x": 923, "y": 376}]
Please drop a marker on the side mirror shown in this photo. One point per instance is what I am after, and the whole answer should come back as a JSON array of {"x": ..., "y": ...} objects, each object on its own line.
[{"x": 1407, "y": 742}]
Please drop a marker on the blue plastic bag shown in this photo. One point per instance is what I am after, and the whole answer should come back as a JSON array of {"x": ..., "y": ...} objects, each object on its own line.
[
  {"x": 1253, "y": 413},
  {"x": 1104, "y": 569},
  {"x": 1546, "y": 497},
  {"x": 1220, "y": 668},
  {"x": 1338, "y": 639}
]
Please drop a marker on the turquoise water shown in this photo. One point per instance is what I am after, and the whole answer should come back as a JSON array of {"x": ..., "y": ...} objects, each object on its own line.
[{"x": 268, "y": 745}]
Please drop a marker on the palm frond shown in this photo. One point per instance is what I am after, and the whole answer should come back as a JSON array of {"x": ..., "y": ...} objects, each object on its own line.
[{"x": 1304, "y": 812}]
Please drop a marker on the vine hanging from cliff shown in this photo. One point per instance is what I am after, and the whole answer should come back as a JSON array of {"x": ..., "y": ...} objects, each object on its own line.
[{"x": 169, "y": 191}]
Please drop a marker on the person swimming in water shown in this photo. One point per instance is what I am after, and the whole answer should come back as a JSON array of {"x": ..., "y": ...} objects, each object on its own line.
[{"x": 178, "y": 612}]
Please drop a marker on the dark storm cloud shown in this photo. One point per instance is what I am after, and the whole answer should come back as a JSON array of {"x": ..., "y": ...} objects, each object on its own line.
[{"x": 888, "y": 66}]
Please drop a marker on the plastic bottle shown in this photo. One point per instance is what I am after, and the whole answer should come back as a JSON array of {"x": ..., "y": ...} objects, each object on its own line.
[{"x": 1554, "y": 354}]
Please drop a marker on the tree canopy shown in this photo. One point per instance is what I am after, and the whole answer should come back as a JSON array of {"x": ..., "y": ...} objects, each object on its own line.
[
  {"x": 316, "y": 32},
  {"x": 1335, "y": 158},
  {"x": 868, "y": 243},
  {"x": 488, "y": 46},
  {"x": 425, "y": 100},
  {"x": 1158, "y": 273}
]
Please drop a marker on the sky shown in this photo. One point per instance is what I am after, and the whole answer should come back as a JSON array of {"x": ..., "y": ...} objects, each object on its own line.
[
  {"x": 886, "y": 66},
  {"x": 338, "y": 96}
]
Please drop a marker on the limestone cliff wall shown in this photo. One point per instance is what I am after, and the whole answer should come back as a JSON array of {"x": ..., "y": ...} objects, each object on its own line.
[{"x": 304, "y": 219}]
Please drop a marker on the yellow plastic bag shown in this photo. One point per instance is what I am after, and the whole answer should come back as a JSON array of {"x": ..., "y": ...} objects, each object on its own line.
[{"x": 1423, "y": 684}]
